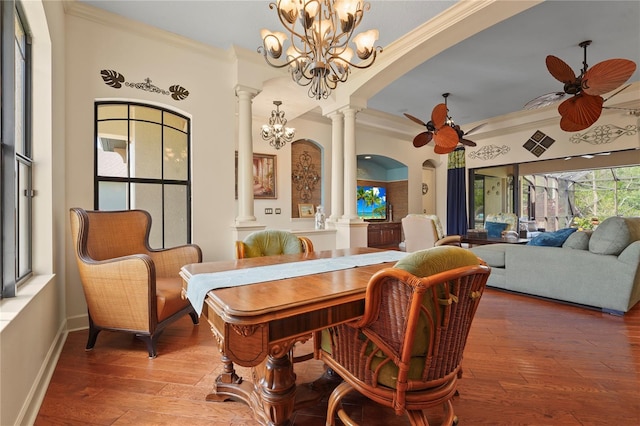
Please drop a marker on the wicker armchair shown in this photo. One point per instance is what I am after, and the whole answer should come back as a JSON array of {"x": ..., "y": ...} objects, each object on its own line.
[
  {"x": 127, "y": 285},
  {"x": 272, "y": 242},
  {"x": 405, "y": 352}
]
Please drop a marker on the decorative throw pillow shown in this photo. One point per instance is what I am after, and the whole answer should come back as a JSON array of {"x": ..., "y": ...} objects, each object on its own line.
[
  {"x": 612, "y": 236},
  {"x": 578, "y": 240},
  {"x": 494, "y": 229},
  {"x": 552, "y": 239}
]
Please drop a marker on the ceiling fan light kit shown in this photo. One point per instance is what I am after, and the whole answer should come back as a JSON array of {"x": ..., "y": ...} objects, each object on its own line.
[
  {"x": 319, "y": 55},
  {"x": 585, "y": 106}
]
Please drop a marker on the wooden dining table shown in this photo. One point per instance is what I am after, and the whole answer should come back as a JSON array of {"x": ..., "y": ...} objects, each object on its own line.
[{"x": 256, "y": 325}]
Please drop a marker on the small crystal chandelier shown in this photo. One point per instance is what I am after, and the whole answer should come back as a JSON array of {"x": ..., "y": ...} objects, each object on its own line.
[
  {"x": 319, "y": 55},
  {"x": 275, "y": 132}
]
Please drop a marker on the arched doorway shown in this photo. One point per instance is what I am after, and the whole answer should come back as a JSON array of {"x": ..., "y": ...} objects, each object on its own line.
[{"x": 428, "y": 187}]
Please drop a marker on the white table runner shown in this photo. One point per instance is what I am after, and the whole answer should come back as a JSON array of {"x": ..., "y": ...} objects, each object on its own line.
[{"x": 200, "y": 284}]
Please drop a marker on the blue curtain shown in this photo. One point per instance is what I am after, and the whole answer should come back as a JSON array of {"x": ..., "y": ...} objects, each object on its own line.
[{"x": 456, "y": 193}]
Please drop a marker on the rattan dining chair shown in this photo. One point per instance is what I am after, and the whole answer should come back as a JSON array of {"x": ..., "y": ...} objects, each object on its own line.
[
  {"x": 405, "y": 352},
  {"x": 272, "y": 242},
  {"x": 129, "y": 286}
]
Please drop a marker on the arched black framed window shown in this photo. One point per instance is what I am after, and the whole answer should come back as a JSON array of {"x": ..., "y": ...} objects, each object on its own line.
[{"x": 142, "y": 161}]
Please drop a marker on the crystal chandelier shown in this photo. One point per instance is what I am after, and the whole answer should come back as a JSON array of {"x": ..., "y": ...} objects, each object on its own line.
[
  {"x": 275, "y": 132},
  {"x": 320, "y": 31}
]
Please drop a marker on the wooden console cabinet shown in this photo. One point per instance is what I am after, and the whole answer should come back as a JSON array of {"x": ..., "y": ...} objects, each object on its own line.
[{"x": 384, "y": 234}]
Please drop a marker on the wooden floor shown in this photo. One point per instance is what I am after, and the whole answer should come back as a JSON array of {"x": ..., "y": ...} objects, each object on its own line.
[{"x": 527, "y": 362}]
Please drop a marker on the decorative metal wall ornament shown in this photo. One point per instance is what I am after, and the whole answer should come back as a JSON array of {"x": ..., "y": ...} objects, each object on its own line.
[
  {"x": 489, "y": 152},
  {"x": 276, "y": 132},
  {"x": 538, "y": 143},
  {"x": 114, "y": 79},
  {"x": 147, "y": 87},
  {"x": 608, "y": 133},
  {"x": 305, "y": 177}
]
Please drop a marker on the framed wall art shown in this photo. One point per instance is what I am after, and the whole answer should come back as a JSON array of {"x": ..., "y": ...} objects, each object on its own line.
[
  {"x": 306, "y": 210},
  {"x": 264, "y": 176}
]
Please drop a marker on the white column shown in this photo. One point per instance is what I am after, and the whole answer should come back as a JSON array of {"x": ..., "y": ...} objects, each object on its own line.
[
  {"x": 350, "y": 166},
  {"x": 245, "y": 155},
  {"x": 337, "y": 166}
]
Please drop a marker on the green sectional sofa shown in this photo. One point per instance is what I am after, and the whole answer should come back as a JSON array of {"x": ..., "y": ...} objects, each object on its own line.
[{"x": 599, "y": 269}]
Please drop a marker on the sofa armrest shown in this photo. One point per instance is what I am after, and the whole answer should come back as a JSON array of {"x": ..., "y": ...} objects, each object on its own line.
[{"x": 631, "y": 254}]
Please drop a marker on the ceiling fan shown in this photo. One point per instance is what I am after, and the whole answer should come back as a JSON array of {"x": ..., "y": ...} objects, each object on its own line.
[
  {"x": 442, "y": 130},
  {"x": 585, "y": 106}
]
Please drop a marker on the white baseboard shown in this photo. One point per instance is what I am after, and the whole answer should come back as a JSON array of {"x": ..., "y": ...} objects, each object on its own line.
[
  {"x": 79, "y": 322},
  {"x": 32, "y": 404}
]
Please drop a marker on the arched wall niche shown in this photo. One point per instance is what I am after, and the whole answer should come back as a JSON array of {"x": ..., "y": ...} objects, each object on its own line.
[{"x": 428, "y": 187}]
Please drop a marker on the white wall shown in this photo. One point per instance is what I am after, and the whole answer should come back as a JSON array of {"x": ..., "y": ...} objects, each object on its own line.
[
  {"x": 33, "y": 324},
  {"x": 211, "y": 104}
]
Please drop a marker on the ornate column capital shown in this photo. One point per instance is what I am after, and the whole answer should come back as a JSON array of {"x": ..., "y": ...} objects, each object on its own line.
[{"x": 240, "y": 89}]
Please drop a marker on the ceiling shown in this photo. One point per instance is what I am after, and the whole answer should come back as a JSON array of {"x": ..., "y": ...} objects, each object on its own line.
[{"x": 489, "y": 74}]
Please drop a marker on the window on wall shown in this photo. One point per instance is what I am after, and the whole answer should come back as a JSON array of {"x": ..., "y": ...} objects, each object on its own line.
[
  {"x": 16, "y": 165},
  {"x": 493, "y": 193},
  {"x": 142, "y": 161},
  {"x": 584, "y": 196},
  {"x": 558, "y": 193}
]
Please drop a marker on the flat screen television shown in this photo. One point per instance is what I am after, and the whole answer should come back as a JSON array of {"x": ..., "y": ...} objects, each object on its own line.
[{"x": 372, "y": 202}]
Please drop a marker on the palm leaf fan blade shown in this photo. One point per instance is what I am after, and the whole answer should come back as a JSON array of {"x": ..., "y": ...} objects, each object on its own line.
[
  {"x": 442, "y": 150},
  {"x": 607, "y": 76},
  {"x": 475, "y": 129},
  {"x": 583, "y": 109},
  {"x": 439, "y": 115},
  {"x": 446, "y": 137},
  {"x": 422, "y": 139},
  {"x": 415, "y": 119},
  {"x": 560, "y": 70},
  {"x": 569, "y": 126}
]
